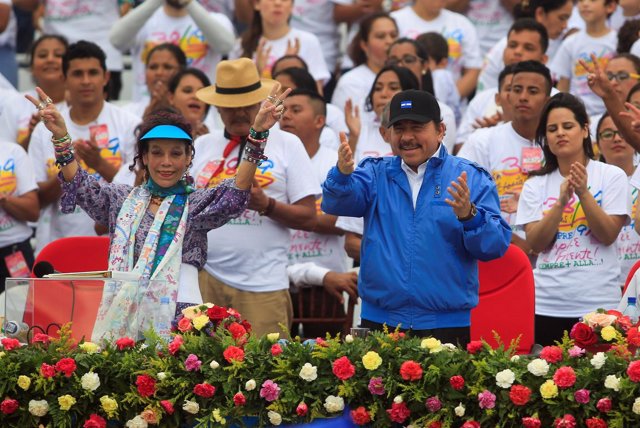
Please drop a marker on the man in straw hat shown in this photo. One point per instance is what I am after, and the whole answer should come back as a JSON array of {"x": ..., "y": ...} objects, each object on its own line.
[{"x": 247, "y": 258}]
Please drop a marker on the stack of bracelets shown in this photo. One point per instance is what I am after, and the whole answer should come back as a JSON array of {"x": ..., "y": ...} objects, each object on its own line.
[
  {"x": 64, "y": 150},
  {"x": 254, "y": 149}
]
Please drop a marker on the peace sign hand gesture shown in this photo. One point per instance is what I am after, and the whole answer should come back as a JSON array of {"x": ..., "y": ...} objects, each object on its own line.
[
  {"x": 597, "y": 78},
  {"x": 271, "y": 109},
  {"x": 49, "y": 114}
]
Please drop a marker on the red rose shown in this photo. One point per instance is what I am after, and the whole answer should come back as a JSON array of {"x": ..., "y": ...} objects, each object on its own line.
[
  {"x": 146, "y": 385},
  {"x": 519, "y": 395},
  {"x": 175, "y": 344},
  {"x": 343, "y": 369},
  {"x": 474, "y": 346},
  {"x": 399, "y": 412},
  {"x": 233, "y": 353},
  {"x": 239, "y": 399},
  {"x": 237, "y": 330},
  {"x": 47, "y": 371},
  {"x": 567, "y": 421},
  {"x": 360, "y": 416},
  {"x": 95, "y": 421},
  {"x": 470, "y": 424},
  {"x": 167, "y": 406},
  {"x": 246, "y": 325},
  {"x": 633, "y": 336},
  {"x": 125, "y": 343},
  {"x": 276, "y": 350},
  {"x": 410, "y": 370},
  {"x": 583, "y": 335},
  {"x": 302, "y": 409},
  {"x": 9, "y": 406},
  {"x": 66, "y": 366},
  {"x": 41, "y": 338},
  {"x": 604, "y": 405},
  {"x": 551, "y": 354},
  {"x": 457, "y": 382},
  {"x": 321, "y": 342},
  {"x": 396, "y": 335},
  {"x": 204, "y": 390},
  {"x": 634, "y": 371},
  {"x": 596, "y": 423},
  {"x": 564, "y": 377},
  {"x": 217, "y": 313},
  {"x": 185, "y": 325},
  {"x": 9, "y": 344},
  {"x": 531, "y": 422}
]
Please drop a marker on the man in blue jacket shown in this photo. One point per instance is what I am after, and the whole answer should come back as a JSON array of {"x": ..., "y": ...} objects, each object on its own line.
[{"x": 420, "y": 246}]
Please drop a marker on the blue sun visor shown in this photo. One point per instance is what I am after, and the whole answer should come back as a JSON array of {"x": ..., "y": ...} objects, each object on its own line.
[{"x": 166, "y": 132}]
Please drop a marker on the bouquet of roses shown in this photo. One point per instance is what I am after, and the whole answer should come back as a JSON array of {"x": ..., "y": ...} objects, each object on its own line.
[
  {"x": 602, "y": 329},
  {"x": 208, "y": 318}
]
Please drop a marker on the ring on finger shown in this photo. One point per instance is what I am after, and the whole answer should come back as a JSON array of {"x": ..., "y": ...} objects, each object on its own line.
[
  {"x": 272, "y": 99},
  {"x": 48, "y": 101},
  {"x": 41, "y": 106}
]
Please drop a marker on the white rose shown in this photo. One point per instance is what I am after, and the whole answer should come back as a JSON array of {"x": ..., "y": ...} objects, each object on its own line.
[
  {"x": 137, "y": 422},
  {"x": 274, "y": 417},
  {"x": 612, "y": 382},
  {"x": 309, "y": 372},
  {"x": 191, "y": 407},
  {"x": 515, "y": 358},
  {"x": 538, "y": 367},
  {"x": 250, "y": 385},
  {"x": 90, "y": 381},
  {"x": 398, "y": 399},
  {"x": 38, "y": 408},
  {"x": 348, "y": 338},
  {"x": 214, "y": 364},
  {"x": 459, "y": 410},
  {"x": 162, "y": 376},
  {"x": 598, "y": 360},
  {"x": 636, "y": 406},
  {"x": 450, "y": 346},
  {"x": 334, "y": 404},
  {"x": 505, "y": 378}
]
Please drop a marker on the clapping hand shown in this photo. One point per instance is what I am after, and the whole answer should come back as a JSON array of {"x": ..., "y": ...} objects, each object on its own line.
[
  {"x": 461, "y": 202},
  {"x": 271, "y": 109},
  {"x": 346, "y": 164},
  {"x": 89, "y": 152},
  {"x": 49, "y": 114},
  {"x": 578, "y": 178}
]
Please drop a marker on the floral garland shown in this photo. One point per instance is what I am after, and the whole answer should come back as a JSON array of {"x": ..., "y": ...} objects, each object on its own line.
[{"x": 213, "y": 372}]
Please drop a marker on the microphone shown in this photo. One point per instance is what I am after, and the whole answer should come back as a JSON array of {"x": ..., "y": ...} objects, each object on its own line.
[
  {"x": 43, "y": 268},
  {"x": 16, "y": 329}
]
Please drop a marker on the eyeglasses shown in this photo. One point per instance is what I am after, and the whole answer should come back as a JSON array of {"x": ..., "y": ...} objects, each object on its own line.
[
  {"x": 621, "y": 76},
  {"x": 406, "y": 60},
  {"x": 609, "y": 134}
]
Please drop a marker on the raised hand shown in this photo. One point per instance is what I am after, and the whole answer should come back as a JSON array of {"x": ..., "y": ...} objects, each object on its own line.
[
  {"x": 49, "y": 114},
  {"x": 578, "y": 178},
  {"x": 632, "y": 113},
  {"x": 346, "y": 164},
  {"x": 271, "y": 109},
  {"x": 293, "y": 47},
  {"x": 352, "y": 118},
  {"x": 597, "y": 78},
  {"x": 461, "y": 202},
  {"x": 262, "y": 54}
]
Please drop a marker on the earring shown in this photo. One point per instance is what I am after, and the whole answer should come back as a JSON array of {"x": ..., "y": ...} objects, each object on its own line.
[{"x": 188, "y": 178}]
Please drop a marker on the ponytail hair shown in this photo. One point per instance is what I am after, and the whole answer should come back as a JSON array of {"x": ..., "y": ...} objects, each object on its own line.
[{"x": 251, "y": 36}]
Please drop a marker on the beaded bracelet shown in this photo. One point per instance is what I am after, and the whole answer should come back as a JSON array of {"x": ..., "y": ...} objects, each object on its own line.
[
  {"x": 258, "y": 135},
  {"x": 65, "y": 139}
]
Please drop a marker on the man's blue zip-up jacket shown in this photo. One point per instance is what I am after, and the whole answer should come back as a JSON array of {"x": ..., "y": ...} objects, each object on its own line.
[{"x": 418, "y": 267}]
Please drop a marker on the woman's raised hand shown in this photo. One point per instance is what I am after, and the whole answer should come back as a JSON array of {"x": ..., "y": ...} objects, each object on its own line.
[
  {"x": 49, "y": 114},
  {"x": 346, "y": 163},
  {"x": 271, "y": 109}
]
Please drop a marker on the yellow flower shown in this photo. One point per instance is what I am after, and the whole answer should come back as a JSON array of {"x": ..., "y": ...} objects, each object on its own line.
[
  {"x": 89, "y": 347},
  {"x": 608, "y": 333},
  {"x": 200, "y": 321},
  {"x": 24, "y": 382},
  {"x": 371, "y": 360},
  {"x": 548, "y": 389},
  {"x": 218, "y": 417},
  {"x": 109, "y": 405},
  {"x": 66, "y": 401},
  {"x": 273, "y": 337},
  {"x": 2, "y": 354},
  {"x": 431, "y": 343}
]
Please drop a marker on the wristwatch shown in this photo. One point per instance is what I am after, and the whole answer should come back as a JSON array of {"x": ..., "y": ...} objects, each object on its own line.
[{"x": 472, "y": 213}]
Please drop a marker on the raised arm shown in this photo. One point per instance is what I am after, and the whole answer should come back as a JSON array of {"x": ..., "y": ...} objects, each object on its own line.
[
  {"x": 220, "y": 38},
  {"x": 123, "y": 33}
]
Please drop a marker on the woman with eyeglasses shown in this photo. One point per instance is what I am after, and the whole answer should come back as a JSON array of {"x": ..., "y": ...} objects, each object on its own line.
[{"x": 572, "y": 210}]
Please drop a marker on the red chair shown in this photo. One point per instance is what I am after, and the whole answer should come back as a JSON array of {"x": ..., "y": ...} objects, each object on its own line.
[
  {"x": 76, "y": 253},
  {"x": 507, "y": 301},
  {"x": 632, "y": 272}
]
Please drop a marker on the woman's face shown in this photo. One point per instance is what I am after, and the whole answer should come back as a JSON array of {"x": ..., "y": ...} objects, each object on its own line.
[
  {"x": 275, "y": 13},
  {"x": 387, "y": 85},
  {"x": 564, "y": 134},
  {"x": 613, "y": 147},
  {"x": 383, "y": 33},
  {"x": 635, "y": 99},
  {"x": 184, "y": 99},
  {"x": 404, "y": 55},
  {"x": 555, "y": 21},
  {"x": 47, "y": 61},
  {"x": 167, "y": 161},
  {"x": 161, "y": 67},
  {"x": 285, "y": 81}
]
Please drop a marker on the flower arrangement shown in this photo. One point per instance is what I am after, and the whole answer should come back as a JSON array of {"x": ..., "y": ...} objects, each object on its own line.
[
  {"x": 604, "y": 329},
  {"x": 212, "y": 373}
]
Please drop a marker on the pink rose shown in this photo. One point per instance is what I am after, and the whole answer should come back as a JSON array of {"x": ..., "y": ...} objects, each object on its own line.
[
  {"x": 270, "y": 390},
  {"x": 487, "y": 400}
]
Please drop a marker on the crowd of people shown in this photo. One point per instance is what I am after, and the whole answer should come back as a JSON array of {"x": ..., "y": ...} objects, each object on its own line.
[{"x": 275, "y": 147}]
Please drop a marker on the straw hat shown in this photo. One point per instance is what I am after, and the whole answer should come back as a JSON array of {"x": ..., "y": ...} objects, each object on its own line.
[{"x": 237, "y": 85}]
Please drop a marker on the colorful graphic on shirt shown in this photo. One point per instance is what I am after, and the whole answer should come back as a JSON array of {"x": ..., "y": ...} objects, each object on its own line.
[
  {"x": 510, "y": 179},
  {"x": 8, "y": 180},
  {"x": 306, "y": 246},
  {"x": 68, "y": 9},
  {"x": 191, "y": 41},
  {"x": 580, "y": 73}
]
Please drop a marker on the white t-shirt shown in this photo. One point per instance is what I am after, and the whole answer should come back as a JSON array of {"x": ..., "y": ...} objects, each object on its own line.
[
  {"x": 316, "y": 16},
  {"x": 445, "y": 90},
  {"x": 85, "y": 20},
  {"x": 491, "y": 19},
  {"x": 628, "y": 240},
  {"x": 16, "y": 179},
  {"x": 565, "y": 64},
  {"x": 14, "y": 121},
  {"x": 226, "y": 7},
  {"x": 370, "y": 143},
  {"x": 500, "y": 150},
  {"x": 577, "y": 274},
  {"x": 461, "y": 35},
  {"x": 351, "y": 224},
  {"x": 116, "y": 138},
  {"x": 250, "y": 252},
  {"x": 482, "y": 105},
  {"x": 181, "y": 31},
  {"x": 310, "y": 51},
  {"x": 8, "y": 36},
  {"x": 323, "y": 250},
  {"x": 355, "y": 85},
  {"x": 335, "y": 119}
]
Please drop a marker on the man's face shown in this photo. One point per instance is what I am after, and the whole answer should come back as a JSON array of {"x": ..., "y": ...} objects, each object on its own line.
[
  {"x": 300, "y": 118},
  {"x": 238, "y": 120},
  {"x": 416, "y": 142},
  {"x": 523, "y": 46},
  {"x": 85, "y": 81},
  {"x": 528, "y": 95}
]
